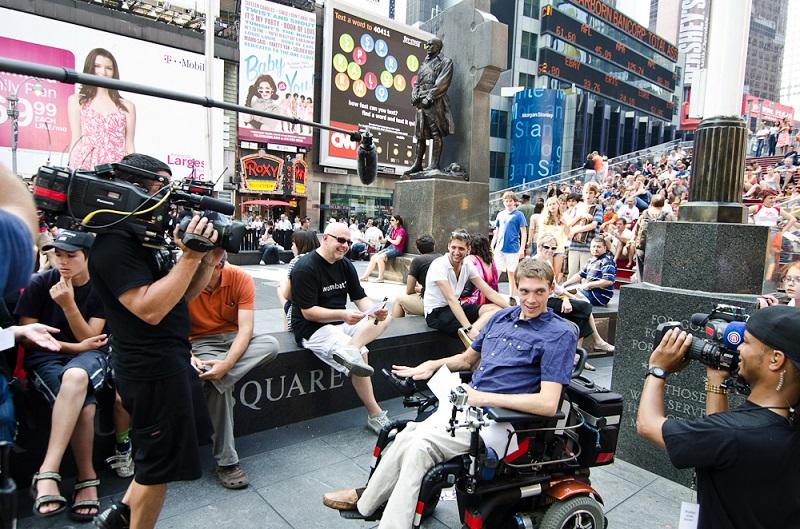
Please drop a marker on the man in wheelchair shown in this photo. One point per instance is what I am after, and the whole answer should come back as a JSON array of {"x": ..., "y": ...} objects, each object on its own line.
[{"x": 522, "y": 360}]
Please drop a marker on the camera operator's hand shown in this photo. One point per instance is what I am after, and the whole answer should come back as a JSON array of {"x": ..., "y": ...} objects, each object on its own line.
[
  {"x": 670, "y": 355},
  {"x": 63, "y": 293},
  {"x": 198, "y": 226},
  {"x": 216, "y": 369},
  {"x": 423, "y": 371}
]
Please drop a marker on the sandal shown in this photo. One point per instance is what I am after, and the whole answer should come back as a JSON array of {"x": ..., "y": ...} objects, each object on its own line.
[
  {"x": 38, "y": 501},
  {"x": 84, "y": 504}
]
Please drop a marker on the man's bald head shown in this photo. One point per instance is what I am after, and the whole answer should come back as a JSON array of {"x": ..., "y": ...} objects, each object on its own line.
[{"x": 332, "y": 249}]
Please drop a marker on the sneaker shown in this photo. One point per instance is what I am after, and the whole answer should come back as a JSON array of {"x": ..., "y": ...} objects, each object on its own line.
[
  {"x": 262, "y": 263},
  {"x": 118, "y": 516},
  {"x": 351, "y": 358},
  {"x": 378, "y": 422},
  {"x": 122, "y": 463}
]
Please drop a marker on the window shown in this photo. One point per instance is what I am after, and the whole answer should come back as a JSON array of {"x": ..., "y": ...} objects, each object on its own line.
[
  {"x": 527, "y": 80},
  {"x": 528, "y": 50},
  {"x": 499, "y": 125},
  {"x": 530, "y": 8},
  {"x": 497, "y": 164}
]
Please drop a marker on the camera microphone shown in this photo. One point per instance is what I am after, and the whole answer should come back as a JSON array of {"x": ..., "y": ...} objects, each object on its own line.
[
  {"x": 367, "y": 157},
  {"x": 203, "y": 202},
  {"x": 733, "y": 336},
  {"x": 699, "y": 319}
]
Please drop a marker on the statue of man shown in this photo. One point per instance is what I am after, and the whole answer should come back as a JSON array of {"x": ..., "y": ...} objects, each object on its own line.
[{"x": 429, "y": 95}]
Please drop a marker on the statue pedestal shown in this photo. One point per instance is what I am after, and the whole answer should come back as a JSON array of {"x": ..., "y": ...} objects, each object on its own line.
[{"x": 436, "y": 207}]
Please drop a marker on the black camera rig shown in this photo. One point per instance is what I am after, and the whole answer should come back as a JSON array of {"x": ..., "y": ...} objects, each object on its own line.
[{"x": 104, "y": 200}]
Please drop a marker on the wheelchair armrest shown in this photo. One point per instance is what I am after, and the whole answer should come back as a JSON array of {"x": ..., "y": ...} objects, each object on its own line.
[
  {"x": 466, "y": 376},
  {"x": 506, "y": 415}
]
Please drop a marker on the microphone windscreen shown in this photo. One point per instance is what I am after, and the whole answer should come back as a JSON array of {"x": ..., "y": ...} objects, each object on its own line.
[
  {"x": 734, "y": 334},
  {"x": 367, "y": 162},
  {"x": 699, "y": 319}
]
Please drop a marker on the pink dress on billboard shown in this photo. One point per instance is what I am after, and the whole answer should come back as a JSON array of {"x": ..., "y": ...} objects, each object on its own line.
[{"x": 102, "y": 138}]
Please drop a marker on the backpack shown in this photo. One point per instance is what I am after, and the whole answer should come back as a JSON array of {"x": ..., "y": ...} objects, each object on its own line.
[{"x": 644, "y": 220}]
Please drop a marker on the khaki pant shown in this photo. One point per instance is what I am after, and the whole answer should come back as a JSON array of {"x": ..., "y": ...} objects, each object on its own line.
[
  {"x": 411, "y": 303},
  {"x": 263, "y": 348}
]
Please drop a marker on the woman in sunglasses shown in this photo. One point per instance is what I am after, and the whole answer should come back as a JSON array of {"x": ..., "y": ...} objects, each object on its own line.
[
  {"x": 550, "y": 222},
  {"x": 572, "y": 307}
]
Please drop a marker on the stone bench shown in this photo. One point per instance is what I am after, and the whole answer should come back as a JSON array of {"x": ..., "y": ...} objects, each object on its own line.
[
  {"x": 294, "y": 387},
  {"x": 397, "y": 268},
  {"x": 252, "y": 257}
]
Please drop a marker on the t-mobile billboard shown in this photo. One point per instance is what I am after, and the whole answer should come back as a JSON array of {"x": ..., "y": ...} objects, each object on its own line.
[
  {"x": 276, "y": 71},
  {"x": 369, "y": 67},
  {"x": 537, "y": 124},
  {"x": 86, "y": 126}
]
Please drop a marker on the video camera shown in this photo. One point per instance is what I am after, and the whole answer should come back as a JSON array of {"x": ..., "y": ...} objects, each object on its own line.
[
  {"x": 103, "y": 200},
  {"x": 724, "y": 329}
]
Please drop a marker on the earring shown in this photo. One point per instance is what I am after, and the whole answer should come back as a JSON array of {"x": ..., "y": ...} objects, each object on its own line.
[{"x": 780, "y": 381}]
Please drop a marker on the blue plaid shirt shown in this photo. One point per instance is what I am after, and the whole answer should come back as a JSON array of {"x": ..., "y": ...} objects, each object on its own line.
[
  {"x": 600, "y": 268},
  {"x": 517, "y": 355}
]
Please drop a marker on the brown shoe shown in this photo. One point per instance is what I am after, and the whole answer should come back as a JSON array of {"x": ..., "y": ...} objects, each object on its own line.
[
  {"x": 232, "y": 477},
  {"x": 343, "y": 499}
]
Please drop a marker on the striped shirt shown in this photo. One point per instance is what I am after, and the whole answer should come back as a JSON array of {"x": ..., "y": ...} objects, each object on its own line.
[{"x": 600, "y": 268}]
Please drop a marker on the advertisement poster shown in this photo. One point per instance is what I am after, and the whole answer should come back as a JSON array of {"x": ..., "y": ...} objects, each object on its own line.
[
  {"x": 80, "y": 127},
  {"x": 537, "y": 124},
  {"x": 262, "y": 172},
  {"x": 276, "y": 71},
  {"x": 299, "y": 170},
  {"x": 370, "y": 66}
]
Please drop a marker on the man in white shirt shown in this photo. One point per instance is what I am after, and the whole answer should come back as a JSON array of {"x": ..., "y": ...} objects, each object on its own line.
[
  {"x": 444, "y": 283},
  {"x": 373, "y": 236},
  {"x": 629, "y": 211}
]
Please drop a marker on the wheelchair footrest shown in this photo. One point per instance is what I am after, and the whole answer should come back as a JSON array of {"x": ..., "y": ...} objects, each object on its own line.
[{"x": 355, "y": 515}]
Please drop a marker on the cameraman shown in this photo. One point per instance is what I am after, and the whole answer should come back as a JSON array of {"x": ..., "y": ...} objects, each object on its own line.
[
  {"x": 149, "y": 321},
  {"x": 746, "y": 459}
]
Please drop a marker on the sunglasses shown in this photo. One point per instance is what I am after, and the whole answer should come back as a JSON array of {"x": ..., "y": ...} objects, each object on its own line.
[
  {"x": 545, "y": 247},
  {"x": 342, "y": 240}
]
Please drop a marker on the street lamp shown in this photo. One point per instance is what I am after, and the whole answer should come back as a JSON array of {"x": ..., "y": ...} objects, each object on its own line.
[{"x": 13, "y": 113}]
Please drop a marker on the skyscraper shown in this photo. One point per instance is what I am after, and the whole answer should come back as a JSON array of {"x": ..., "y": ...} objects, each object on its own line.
[{"x": 762, "y": 76}]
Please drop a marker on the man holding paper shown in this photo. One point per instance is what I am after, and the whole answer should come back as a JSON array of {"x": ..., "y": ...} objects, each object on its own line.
[
  {"x": 321, "y": 283},
  {"x": 521, "y": 360}
]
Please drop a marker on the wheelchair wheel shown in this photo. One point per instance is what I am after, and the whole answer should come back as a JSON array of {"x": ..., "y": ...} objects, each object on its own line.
[{"x": 581, "y": 512}]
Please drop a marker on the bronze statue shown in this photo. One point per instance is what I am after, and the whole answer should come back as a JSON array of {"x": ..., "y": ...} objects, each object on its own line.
[{"x": 429, "y": 95}]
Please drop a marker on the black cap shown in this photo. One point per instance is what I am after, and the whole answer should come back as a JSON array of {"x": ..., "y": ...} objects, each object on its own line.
[
  {"x": 778, "y": 327},
  {"x": 526, "y": 196},
  {"x": 70, "y": 241}
]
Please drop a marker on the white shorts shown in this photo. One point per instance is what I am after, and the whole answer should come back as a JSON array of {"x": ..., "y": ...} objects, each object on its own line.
[
  {"x": 329, "y": 338},
  {"x": 506, "y": 262}
]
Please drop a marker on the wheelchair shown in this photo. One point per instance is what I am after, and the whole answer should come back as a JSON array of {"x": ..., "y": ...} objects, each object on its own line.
[{"x": 544, "y": 484}]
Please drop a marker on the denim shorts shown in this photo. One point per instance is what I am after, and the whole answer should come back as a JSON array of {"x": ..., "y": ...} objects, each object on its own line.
[
  {"x": 47, "y": 375},
  {"x": 391, "y": 252}
]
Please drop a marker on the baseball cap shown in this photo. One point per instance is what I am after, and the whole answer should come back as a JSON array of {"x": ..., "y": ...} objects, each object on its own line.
[
  {"x": 526, "y": 196},
  {"x": 70, "y": 241},
  {"x": 778, "y": 327}
]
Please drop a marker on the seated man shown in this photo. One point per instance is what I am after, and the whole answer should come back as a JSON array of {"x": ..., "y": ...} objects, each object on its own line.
[
  {"x": 65, "y": 299},
  {"x": 411, "y": 301},
  {"x": 224, "y": 349},
  {"x": 596, "y": 280},
  {"x": 524, "y": 371},
  {"x": 445, "y": 281},
  {"x": 321, "y": 282}
]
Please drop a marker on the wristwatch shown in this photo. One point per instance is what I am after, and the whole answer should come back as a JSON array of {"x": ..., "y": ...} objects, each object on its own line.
[{"x": 657, "y": 372}]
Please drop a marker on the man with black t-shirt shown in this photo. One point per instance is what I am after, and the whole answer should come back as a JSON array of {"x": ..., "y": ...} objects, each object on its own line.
[
  {"x": 746, "y": 459},
  {"x": 149, "y": 322},
  {"x": 321, "y": 281}
]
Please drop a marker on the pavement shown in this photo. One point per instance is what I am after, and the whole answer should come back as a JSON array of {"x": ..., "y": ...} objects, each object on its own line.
[{"x": 290, "y": 467}]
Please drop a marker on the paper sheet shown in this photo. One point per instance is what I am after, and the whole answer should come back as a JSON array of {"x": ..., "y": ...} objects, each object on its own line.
[
  {"x": 690, "y": 515},
  {"x": 375, "y": 308},
  {"x": 6, "y": 339}
]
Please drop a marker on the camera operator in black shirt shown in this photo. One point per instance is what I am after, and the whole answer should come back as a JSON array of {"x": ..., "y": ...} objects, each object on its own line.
[
  {"x": 149, "y": 322},
  {"x": 747, "y": 459}
]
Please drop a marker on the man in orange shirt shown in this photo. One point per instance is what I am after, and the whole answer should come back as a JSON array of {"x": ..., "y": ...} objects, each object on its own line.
[{"x": 224, "y": 349}]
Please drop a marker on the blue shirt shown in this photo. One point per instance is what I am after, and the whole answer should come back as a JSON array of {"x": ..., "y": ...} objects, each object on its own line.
[
  {"x": 508, "y": 226},
  {"x": 16, "y": 248},
  {"x": 596, "y": 269},
  {"x": 517, "y": 355}
]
